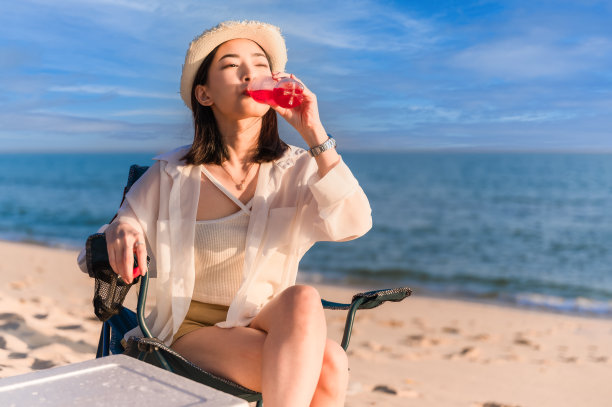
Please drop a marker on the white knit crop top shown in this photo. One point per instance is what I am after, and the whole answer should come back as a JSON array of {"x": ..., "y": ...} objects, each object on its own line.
[{"x": 219, "y": 247}]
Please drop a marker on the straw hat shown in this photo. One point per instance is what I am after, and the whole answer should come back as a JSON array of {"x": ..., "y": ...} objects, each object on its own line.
[{"x": 266, "y": 35}]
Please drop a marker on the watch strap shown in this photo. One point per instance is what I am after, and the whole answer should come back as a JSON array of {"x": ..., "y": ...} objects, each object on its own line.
[{"x": 327, "y": 145}]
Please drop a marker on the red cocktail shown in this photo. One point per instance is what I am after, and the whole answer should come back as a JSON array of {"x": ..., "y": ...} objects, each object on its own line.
[{"x": 284, "y": 92}]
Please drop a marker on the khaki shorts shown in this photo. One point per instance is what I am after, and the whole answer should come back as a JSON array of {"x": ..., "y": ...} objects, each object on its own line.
[{"x": 201, "y": 314}]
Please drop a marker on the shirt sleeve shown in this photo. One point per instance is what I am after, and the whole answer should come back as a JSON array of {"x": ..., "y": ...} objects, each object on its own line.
[
  {"x": 339, "y": 209},
  {"x": 139, "y": 209},
  {"x": 141, "y": 205}
]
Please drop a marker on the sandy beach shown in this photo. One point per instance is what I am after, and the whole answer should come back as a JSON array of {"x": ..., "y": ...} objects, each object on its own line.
[{"x": 422, "y": 352}]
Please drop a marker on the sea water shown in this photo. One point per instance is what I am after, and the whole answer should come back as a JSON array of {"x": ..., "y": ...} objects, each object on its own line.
[{"x": 526, "y": 228}]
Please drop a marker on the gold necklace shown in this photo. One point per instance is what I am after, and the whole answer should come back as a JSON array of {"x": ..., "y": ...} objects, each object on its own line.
[{"x": 239, "y": 185}]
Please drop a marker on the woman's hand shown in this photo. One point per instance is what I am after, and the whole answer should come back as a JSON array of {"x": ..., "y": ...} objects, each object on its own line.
[
  {"x": 305, "y": 117},
  {"x": 122, "y": 241}
]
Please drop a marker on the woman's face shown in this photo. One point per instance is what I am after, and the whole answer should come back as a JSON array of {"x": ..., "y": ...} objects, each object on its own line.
[{"x": 235, "y": 64}]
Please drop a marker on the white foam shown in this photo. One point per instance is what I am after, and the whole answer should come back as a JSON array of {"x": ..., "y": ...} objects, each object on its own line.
[{"x": 580, "y": 305}]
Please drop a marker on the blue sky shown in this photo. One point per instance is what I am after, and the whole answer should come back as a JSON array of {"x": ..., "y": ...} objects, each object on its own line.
[{"x": 103, "y": 75}]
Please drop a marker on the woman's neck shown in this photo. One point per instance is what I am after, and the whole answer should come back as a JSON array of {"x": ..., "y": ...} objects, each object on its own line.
[{"x": 241, "y": 138}]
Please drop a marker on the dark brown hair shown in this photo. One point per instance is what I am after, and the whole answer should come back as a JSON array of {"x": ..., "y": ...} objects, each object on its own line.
[{"x": 208, "y": 146}]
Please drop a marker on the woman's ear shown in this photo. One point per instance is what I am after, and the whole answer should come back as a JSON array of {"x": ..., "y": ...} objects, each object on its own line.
[{"x": 202, "y": 96}]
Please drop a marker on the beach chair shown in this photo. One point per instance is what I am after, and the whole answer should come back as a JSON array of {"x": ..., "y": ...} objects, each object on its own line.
[{"x": 110, "y": 292}]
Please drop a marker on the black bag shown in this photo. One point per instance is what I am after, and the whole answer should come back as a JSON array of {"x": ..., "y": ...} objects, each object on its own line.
[{"x": 110, "y": 289}]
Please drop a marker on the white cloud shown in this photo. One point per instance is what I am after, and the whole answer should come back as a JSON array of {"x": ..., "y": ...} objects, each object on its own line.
[
  {"x": 376, "y": 68},
  {"x": 533, "y": 117},
  {"x": 531, "y": 57},
  {"x": 111, "y": 90},
  {"x": 360, "y": 26},
  {"x": 50, "y": 126},
  {"x": 153, "y": 112},
  {"x": 139, "y": 5},
  {"x": 147, "y": 5},
  {"x": 434, "y": 113}
]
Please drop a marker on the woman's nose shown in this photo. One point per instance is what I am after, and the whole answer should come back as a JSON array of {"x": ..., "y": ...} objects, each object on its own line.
[{"x": 248, "y": 73}]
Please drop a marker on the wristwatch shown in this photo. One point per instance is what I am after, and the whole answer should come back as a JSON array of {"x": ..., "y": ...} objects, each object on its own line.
[{"x": 328, "y": 144}]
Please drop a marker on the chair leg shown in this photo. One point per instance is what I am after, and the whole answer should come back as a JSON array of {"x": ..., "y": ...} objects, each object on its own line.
[
  {"x": 103, "y": 344},
  {"x": 348, "y": 327},
  {"x": 163, "y": 361}
]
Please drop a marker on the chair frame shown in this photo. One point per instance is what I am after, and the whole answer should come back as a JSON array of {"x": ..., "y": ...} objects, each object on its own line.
[{"x": 144, "y": 348}]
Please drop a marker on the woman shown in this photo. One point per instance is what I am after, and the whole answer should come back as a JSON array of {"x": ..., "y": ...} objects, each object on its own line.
[{"x": 226, "y": 220}]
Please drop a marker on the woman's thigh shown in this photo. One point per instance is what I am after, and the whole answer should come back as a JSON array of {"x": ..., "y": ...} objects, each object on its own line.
[
  {"x": 298, "y": 306},
  {"x": 236, "y": 353},
  {"x": 233, "y": 353}
]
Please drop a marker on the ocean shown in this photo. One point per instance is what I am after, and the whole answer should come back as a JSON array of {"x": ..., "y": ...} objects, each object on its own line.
[{"x": 529, "y": 229}]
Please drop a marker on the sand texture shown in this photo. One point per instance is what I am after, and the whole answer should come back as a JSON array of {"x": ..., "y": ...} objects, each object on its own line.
[{"x": 422, "y": 352}]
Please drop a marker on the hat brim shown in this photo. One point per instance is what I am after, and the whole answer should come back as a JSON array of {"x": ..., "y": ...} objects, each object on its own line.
[{"x": 267, "y": 36}]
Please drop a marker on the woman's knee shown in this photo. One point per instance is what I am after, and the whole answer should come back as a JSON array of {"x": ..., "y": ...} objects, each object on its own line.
[
  {"x": 334, "y": 372},
  {"x": 302, "y": 294},
  {"x": 302, "y": 300},
  {"x": 302, "y": 305}
]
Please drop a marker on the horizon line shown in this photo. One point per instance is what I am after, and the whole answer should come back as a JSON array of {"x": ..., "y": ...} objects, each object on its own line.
[{"x": 348, "y": 150}]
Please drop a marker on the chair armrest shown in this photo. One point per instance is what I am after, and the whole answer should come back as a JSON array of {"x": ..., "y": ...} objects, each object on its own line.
[
  {"x": 371, "y": 299},
  {"x": 334, "y": 305},
  {"x": 367, "y": 300}
]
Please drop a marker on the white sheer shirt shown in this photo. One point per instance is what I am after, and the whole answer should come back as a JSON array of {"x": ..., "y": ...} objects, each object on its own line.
[{"x": 293, "y": 207}]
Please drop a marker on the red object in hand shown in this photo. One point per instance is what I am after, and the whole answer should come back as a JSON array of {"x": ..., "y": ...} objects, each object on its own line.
[
  {"x": 262, "y": 96},
  {"x": 284, "y": 92},
  {"x": 288, "y": 93},
  {"x": 136, "y": 271}
]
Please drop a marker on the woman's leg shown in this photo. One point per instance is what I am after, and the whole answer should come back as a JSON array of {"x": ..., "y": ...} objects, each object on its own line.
[
  {"x": 294, "y": 347},
  {"x": 233, "y": 353},
  {"x": 284, "y": 353},
  {"x": 333, "y": 382}
]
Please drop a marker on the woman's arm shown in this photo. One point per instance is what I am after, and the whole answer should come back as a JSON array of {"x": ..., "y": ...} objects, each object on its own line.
[
  {"x": 135, "y": 221},
  {"x": 338, "y": 209},
  {"x": 305, "y": 119}
]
